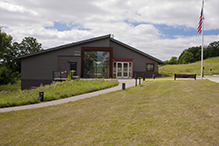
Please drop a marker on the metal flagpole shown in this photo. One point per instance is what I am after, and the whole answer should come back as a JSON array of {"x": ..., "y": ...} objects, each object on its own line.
[{"x": 202, "y": 40}]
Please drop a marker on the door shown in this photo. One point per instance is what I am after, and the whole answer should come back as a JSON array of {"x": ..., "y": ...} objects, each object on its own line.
[
  {"x": 125, "y": 70},
  {"x": 73, "y": 66},
  {"x": 119, "y": 70},
  {"x": 122, "y": 69}
]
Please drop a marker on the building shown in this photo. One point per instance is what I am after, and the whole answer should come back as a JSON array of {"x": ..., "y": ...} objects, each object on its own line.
[{"x": 100, "y": 57}]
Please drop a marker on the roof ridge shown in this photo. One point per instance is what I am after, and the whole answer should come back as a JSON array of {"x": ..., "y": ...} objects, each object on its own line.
[{"x": 65, "y": 45}]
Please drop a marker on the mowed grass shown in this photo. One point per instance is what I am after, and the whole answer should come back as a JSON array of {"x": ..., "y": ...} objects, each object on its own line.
[
  {"x": 155, "y": 113},
  {"x": 12, "y": 95},
  {"x": 211, "y": 66}
]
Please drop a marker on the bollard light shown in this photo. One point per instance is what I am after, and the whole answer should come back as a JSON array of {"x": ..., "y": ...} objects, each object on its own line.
[
  {"x": 123, "y": 86},
  {"x": 136, "y": 81},
  {"x": 41, "y": 95},
  {"x": 139, "y": 80}
]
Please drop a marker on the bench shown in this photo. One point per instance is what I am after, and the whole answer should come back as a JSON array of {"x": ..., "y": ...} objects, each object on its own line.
[{"x": 184, "y": 76}]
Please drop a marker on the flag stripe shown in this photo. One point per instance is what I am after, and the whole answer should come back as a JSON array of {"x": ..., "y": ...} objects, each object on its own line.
[{"x": 200, "y": 20}]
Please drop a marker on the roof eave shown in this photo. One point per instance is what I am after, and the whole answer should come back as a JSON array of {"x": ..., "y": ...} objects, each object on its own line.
[{"x": 64, "y": 46}]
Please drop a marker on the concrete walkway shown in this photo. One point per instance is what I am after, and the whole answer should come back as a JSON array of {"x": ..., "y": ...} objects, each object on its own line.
[
  {"x": 214, "y": 78},
  {"x": 128, "y": 82}
]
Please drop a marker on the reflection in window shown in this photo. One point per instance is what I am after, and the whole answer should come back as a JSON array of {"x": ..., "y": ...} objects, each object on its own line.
[
  {"x": 96, "y": 64},
  {"x": 150, "y": 67}
]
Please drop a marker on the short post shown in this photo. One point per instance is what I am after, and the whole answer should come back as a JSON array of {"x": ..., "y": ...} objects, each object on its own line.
[
  {"x": 136, "y": 82},
  {"x": 123, "y": 86},
  {"x": 143, "y": 78},
  {"x": 139, "y": 80},
  {"x": 153, "y": 76},
  {"x": 41, "y": 95}
]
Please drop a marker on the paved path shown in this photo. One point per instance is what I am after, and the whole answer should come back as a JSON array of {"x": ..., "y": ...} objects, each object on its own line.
[
  {"x": 129, "y": 83},
  {"x": 214, "y": 78}
]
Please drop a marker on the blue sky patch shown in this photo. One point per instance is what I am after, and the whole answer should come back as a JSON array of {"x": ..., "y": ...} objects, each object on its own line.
[
  {"x": 63, "y": 26},
  {"x": 171, "y": 32}
]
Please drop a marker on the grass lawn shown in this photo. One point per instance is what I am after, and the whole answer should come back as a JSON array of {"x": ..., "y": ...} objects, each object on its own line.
[
  {"x": 211, "y": 67},
  {"x": 12, "y": 95},
  {"x": 155, "y": 113}
]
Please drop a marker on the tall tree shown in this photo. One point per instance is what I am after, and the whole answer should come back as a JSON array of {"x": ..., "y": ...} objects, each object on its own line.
[
  {"x": 10, "y": 69},
  {"x": 213, "y": 49},
  {"x": 29, "y": 45},
  {"x": 5, "y": 44},
  {"x": 7, "y": 74}
]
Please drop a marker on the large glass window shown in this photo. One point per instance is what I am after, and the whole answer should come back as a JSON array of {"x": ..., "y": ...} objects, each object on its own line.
[{"x": 96, "y": 64}]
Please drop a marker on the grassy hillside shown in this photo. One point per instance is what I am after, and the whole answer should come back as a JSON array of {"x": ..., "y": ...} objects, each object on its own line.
[{"x": 193, "y": 68}]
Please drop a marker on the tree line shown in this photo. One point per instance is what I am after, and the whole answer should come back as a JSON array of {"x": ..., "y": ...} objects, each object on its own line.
[
  {"x": 10, "y": 68},
  {"x": 193, "y": 54}
]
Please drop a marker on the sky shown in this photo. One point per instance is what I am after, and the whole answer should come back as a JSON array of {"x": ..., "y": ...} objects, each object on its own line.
[{"x": 161, "y": 28}]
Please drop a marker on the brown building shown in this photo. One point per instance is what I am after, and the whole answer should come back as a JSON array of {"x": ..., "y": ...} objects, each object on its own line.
[{"x": 100, "y": 57}]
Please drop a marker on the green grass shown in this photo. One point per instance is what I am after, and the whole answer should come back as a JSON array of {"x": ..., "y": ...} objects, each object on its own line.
[
  {"x": 155, "y": 113},
  {"x": 193, "y": 68},
  {"x": 11, "y": 95},
  {"x": 11, "y": 87}
]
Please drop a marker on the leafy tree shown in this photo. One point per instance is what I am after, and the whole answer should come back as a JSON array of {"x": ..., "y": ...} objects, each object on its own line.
[
  {"x": 5, "y": 44},
  {"x": 29, "y": 45},
  {"x": 187, "y": 58},
  {"x": 10, "y": 69},
  {"x": 213, "y": 49},
  {"x": 173, "y": 60},
  {"x": 180, "y": 60},
  {"x": 7, "y": 76}
]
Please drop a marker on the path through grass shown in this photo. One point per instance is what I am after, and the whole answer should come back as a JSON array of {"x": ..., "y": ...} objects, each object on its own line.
[
  {"x": 10, "y": 95},
  {"x": 155, "y": 113}
]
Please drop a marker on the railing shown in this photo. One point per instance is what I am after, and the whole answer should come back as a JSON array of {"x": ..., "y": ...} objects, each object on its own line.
[{"x": 60, "y": 75}]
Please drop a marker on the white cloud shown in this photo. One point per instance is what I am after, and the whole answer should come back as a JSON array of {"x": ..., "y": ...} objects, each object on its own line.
[
  {"x": 29, "y": 18},
  {"x": 16, "y": 8}
]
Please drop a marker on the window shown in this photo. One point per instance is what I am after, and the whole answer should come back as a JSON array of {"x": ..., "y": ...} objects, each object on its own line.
[
  {"x": 96, "y": 64},
  {"x": 150, "y": 67}
]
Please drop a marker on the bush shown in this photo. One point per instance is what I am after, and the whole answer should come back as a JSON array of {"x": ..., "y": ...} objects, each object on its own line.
[{"x": 7, "y": 76}]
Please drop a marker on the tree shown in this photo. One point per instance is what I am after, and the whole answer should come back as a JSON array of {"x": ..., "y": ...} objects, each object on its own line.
[
  {"x": 29, "y": 45},
  {"x": 7, "y": 76},
  {"x": 187, "y": 57},
  {"x": 173, "y": 60},
  {"x": 5, "y": 44},
  {"x": 180, "y": 60},
  {"x": 10, "y": 69},
  {"x": 213, "y": 49}
]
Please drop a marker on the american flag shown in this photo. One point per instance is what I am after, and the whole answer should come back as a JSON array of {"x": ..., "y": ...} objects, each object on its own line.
[{"x": 201, "y": 20}]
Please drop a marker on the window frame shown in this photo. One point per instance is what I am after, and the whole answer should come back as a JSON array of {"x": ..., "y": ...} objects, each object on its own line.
[
  {"x": 110, "y": 49},
  {"x": 146, "y": 67}
]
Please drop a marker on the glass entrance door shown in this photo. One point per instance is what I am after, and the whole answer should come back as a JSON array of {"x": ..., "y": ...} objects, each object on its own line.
[
  {"x": 125, "y": 70},
  {"x": 122, "y": 69},
  {"x": 119, "y": 70}
]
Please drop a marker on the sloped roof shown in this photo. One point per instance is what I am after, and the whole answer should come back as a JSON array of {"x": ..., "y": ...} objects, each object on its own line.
[
  {"x": 92, "y": 40},
  {"x": 138, "y": 51},
  {"x": 64, "y": 46}
]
